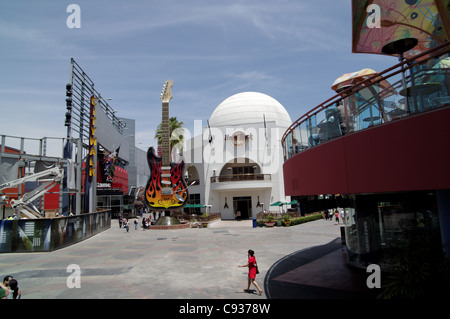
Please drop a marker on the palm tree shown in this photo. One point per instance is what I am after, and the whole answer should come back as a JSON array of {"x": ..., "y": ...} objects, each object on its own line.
[{"x": 175, "y": 133}]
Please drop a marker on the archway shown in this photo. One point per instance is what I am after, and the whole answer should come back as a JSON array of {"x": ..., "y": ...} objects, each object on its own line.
[{"x": 192, "y": 175}]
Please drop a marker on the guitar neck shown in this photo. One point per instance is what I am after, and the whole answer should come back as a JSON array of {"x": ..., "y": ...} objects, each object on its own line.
[{"x": 165, "y": 135}]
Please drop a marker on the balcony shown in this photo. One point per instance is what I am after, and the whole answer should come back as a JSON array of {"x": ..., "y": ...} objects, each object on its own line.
[
  {"x": 238, "y": 182},
  {"x": 417, "y": 85},
  {"x": 240, "y": 178}
]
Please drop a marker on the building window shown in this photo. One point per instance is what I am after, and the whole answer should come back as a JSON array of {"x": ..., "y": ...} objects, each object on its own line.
[
  {"x": 194, "y": 199},
  {"x": 243, "y": 170}
]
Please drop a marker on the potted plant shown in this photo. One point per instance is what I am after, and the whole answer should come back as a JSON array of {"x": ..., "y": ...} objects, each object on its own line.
[
  {"x": 287, "y": 220},
  {"x": 269, "y": 221},
  {"x": 205, "y": 219}
]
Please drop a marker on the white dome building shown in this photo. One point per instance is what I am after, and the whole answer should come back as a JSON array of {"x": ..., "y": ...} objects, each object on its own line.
[
  {"x": 249, "y": 108},
  {"x": 240, "y": 173}
]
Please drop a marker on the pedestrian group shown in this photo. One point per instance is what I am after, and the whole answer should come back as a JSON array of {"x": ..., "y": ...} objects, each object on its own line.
[{"x": 9, "y": 288}]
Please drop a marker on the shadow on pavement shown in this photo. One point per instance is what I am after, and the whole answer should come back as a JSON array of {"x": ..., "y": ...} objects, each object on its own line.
[{"x": 320, "y": 272}]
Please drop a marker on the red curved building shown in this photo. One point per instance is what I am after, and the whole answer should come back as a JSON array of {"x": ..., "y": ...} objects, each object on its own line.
[{"x": 379, "y": 151}]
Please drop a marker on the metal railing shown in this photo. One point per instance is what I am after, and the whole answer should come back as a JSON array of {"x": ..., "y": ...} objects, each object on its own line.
[
  {"x": 82, "y": 88},
  {"x": 32, "y": 148},
  {"x": 416, "y": 85},
  {"x": 240, "y": 177}
]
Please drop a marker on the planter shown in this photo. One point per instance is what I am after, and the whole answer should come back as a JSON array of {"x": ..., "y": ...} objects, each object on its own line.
[
  {"x": 260, "y": 223},
  {"x": 287, "y": 223},
  {"x": 204, "y": 224},
  {"x": 269, "y": 224}
]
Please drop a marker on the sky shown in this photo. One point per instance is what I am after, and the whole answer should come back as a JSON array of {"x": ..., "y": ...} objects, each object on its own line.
[{"x": 292, "y": 50}]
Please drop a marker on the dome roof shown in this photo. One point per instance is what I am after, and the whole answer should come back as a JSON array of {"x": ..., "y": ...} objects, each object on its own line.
[{"x": 249, "y": 108}]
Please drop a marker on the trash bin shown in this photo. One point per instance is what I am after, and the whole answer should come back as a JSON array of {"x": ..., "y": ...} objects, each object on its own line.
[{"x": 255, "y": 224}]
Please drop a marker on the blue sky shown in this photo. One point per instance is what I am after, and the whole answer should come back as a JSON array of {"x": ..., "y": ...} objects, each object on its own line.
[{"x": 292, "y": 50}]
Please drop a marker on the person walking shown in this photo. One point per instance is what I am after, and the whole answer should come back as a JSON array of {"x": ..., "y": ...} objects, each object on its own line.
[
  {"x": 252, "y": 271},
  {"x": 126, "y": 224}
]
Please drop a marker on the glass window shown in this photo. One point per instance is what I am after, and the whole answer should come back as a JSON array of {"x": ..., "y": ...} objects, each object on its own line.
[
  {"x": 288, "y": 143},
  {"x": 300, "y": 142},
  {"x": 351, "y": 234},
  {"x": 311, "y": 128}
]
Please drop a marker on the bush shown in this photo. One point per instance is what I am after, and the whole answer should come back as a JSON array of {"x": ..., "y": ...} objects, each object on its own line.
[
  {"x": 305, "y": 219},
  {"x": 294, "y": 221}
]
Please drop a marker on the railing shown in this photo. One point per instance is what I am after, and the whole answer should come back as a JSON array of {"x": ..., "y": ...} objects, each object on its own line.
[
  {"x": 240, "y": 177},
  {"x": 416, "y": 85},
  {"x": 32, "y": 147}
]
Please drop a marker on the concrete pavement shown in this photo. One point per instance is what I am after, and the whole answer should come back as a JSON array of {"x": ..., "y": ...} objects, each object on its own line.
[{"x": 185, "y": 263}]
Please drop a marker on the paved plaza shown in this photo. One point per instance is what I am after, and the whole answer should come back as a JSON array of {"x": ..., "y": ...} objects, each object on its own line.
[{"x": 187, "y": 263}]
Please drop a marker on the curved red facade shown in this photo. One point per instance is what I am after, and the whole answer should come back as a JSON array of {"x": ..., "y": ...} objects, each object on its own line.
[{"x": 408, "y": 154}]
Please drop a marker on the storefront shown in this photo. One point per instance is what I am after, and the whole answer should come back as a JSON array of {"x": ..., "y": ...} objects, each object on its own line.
[
  {"x": 377, "y": 225},
  {"x": 112, "y": 193}
]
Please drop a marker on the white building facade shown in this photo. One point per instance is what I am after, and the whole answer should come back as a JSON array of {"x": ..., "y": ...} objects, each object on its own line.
[{"x": 236, "y": 164}]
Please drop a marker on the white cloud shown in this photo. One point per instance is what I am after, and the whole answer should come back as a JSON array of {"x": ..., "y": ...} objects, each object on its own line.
[{"x": 252, "y": 80}]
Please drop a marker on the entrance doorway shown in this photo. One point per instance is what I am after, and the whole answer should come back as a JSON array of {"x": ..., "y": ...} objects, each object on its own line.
[{"x": 242, "y": 207}]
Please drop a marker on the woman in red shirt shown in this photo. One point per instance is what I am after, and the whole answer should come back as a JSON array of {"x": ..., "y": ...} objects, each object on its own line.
[{"x": 251, "y": 271}]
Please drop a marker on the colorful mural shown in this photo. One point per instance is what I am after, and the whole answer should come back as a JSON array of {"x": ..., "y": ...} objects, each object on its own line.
[
  {"x": 379, "y": 22},
  {"x": 108, "y": 161}
]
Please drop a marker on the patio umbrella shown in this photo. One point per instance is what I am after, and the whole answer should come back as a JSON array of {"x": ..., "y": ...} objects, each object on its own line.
[
  {"x": 350, "y": 79},
  {"x": 376, "y": 93},
  {"x": 426, "y": 21},
  {"x": 276, "y": 204},
  {"x": 194, "y": 206},
  {"x": 442, "y": 64}
]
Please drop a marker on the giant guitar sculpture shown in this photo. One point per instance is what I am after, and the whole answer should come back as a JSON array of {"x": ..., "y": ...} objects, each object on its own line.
[{"x": 166, "y": 188}]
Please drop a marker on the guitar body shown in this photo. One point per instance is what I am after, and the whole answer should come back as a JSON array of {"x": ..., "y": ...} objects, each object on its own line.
[{"x": 166, "y": 188}]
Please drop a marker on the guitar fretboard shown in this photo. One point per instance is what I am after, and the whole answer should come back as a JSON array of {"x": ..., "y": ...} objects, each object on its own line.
[{"x": 165, "y": 135}]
